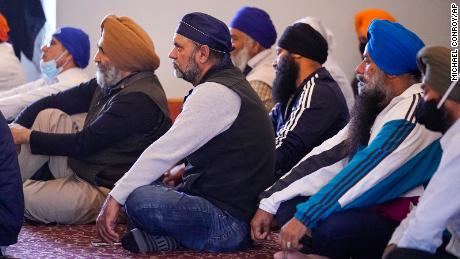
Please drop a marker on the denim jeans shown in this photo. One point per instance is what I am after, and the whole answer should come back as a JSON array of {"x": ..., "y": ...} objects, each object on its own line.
[{"x": 193, "y": 221}]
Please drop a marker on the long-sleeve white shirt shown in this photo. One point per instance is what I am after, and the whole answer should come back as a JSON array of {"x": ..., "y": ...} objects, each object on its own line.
[
  {"x": 439, "y": 207},
  {"x": 14, "y": 100},
  {"x": 11, "y": 73},
  {"x": 208, "y": 111}
]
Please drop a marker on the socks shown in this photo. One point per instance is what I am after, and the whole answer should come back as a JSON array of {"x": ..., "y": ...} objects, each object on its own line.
[{"x": 138, "y": 241}]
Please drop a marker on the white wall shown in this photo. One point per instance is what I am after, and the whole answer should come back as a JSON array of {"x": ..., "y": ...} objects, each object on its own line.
[{"x": 427, "y": 18}]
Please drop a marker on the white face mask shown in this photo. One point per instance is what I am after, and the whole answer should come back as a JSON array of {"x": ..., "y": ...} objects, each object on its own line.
[{"x": 49, "y": 68}]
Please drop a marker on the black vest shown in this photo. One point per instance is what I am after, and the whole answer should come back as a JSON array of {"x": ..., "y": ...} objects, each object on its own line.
[
  {"x": 108, "y": 165},
  {"x": 234, "y": 167}
]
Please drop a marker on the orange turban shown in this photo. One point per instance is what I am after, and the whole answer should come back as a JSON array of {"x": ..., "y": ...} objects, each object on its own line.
[
  {"x": 364, "y": 18},
  {"x": 127, "y": 45},
  {"x": 4, "y": 29}
]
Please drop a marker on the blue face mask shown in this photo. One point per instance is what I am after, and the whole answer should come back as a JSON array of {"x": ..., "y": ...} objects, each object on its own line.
[{"x": 49, "y": 68}]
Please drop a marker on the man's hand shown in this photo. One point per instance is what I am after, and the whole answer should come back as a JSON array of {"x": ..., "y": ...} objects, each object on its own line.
[
  {"x": 107, "y": 220},
  {"x": 388, "y": 250},
  {"x": 291, "y": 233},
  {"x": 174, "y": 175},
  {"x": 21, "y": 135},
  {"x": 260, "y": 225}
]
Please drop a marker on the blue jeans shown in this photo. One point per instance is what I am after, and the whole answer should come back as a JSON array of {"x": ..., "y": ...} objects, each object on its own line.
[{"x": 193, "y": 221}]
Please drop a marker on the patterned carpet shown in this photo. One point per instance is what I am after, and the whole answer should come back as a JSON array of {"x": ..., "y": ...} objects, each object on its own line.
[{"x": 62, "y": 241}]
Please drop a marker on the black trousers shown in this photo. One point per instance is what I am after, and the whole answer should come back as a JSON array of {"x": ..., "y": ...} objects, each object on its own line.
[
  {"x": 408, "y": 253},
  {"x": 356, "y": 233}
]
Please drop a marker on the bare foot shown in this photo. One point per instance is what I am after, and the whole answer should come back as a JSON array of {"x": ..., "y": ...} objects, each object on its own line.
[{"x": 294, "y": 254}]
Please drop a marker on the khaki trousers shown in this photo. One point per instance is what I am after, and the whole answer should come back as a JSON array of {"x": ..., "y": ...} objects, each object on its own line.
[{"x": 67, "y": 199}]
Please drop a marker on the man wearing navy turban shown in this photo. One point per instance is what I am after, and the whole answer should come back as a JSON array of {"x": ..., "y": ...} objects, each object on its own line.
[
  {"x": 354, "y": 189},
  {"x": 226, "y": 138}
]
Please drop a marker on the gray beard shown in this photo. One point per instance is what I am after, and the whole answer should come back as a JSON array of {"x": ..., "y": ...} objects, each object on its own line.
[
  {"x": 191, "y": 73},
  {"x": 241, "y": 59},
  {"x": 109, "y": 77}
]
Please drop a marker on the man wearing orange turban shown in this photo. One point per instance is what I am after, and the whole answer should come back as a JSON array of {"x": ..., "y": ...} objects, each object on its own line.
[
  {"x": 126, "y": 111},
  {"x": 11, "y": 73},
  {"x": 364, "y": 18}
]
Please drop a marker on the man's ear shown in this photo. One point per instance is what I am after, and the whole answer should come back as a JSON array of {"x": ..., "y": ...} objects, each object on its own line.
[
  {"x": 255, "y": 48},
  {"x": 390, "y": 77},
  {"x": 67, "y": 58},
  {"x": 204, "y": 53},
  {"x": 295, "y": 56}
]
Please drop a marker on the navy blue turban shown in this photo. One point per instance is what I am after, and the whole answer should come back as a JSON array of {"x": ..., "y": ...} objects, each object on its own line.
[
  {"x": 206, "y": 30},
  {"x": 257, "y": 24},
  {"x": 392, "y": 47}
]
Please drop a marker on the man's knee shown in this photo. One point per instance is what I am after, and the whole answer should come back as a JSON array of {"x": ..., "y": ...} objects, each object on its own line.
[
  {"x": 53, "y": 121},
  {"x": 155, "y": 199},
  {"x": 143, "y": 197}
]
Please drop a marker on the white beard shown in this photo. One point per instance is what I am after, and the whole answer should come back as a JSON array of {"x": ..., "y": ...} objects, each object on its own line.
[
  {"x": 107, "y": 78},
  {"x": 240, "y": 60}
]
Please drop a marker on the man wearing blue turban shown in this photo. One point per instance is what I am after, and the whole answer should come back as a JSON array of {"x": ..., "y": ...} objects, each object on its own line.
[{"x": 353, "y": 190}]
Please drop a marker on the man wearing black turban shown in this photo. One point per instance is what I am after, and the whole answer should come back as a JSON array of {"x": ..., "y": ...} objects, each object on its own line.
[{"x": 310, "y": 106}]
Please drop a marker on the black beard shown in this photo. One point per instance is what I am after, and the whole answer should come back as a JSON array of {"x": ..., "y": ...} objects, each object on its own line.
[
  {"x": 363, "y": 114},
  {"x": 284, "y": 84}
]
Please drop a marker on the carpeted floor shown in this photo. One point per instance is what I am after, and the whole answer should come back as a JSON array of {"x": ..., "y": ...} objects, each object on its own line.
[{"x": 62, "y": 241}]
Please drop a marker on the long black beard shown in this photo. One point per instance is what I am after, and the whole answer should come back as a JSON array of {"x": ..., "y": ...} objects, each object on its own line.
[
  {"x": 284, "y": 84},
  {"x": 363, "y": 114}
]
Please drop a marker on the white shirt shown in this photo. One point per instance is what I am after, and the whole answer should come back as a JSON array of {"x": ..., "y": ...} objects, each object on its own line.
[
  {"x": 262, "y": 67},
  {"x": 342, "y": 80},
  {"x": 439, "y": 207},
  {"x": 208, "y": 111},
  {"x": 11, "y": 73},
  {"x": 13, "y": 101}
]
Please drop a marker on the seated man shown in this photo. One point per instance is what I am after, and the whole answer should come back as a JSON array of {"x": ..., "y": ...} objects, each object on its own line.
[
  {"x": 127, "y": 111},
  {"x": 253, "y": 35},
  {"x": 11, "y": 73},
  {"x": 310, "y": 105},
  {"x": 420, "y": 234},
  {"x": 346, "y": 193},
  {"x": 11, "y": 196},
  {"x": 62, "y": 63},
  {"x": 225, "y": 135}
]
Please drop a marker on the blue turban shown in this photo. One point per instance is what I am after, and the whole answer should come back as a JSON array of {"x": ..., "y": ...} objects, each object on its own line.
[
  {"x": 206, "y": 30},
  {"x": 76, "y": 43},
  {"x": 257, "y": 24},
  {"x": 392, "y": 47}
]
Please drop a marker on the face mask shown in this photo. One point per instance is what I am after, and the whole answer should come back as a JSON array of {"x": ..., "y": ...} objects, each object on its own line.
[
  {"x": 428, "y": 114},
  {"x": 432, "y": 114},
  {"x": 49, "y": 68}
]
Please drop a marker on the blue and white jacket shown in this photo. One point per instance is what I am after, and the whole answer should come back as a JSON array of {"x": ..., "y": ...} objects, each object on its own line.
[{"x": 401, "y": 156}]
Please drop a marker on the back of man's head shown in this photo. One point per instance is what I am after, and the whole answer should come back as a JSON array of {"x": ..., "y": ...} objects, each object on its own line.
[
  {"x": 76, "y": 42},
  {"x": 304, "y": 40},
  {"x": 4, "y": 29},
  {"x": 393, "y": 48},
  {"x": 364, "y": 18},
  {"x": 256, "y": 23},
  {"x": 316, "y": 24},
  {"x": 127, "y": 45},
  {"x": 207, "y": 30},
  {"x": 434, "y": 63}
]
